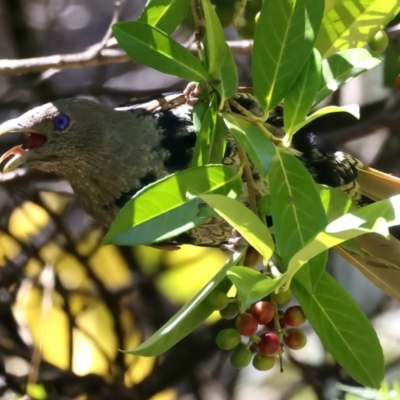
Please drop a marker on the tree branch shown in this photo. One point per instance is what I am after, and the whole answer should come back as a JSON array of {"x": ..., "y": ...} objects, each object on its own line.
[{"x": 91, "y": 57}]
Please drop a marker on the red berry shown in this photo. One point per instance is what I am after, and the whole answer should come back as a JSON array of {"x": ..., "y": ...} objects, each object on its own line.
[
  {"x": 397, "y": 82},
  {"x": 294, "y": 316},
  {"x": 295, "y": 339},
  {"x": 262, "y": 362},
  {"x": 246, "y": 324},
  {"x": 269, "y": 344},
  {"x": 263, "y": 311},
  {"x": 271, "y": 325}
]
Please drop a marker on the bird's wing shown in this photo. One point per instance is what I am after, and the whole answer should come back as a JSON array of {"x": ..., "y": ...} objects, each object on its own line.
[
  {"x": 377, "y": 185},
  {"x": 379, "y": 263}
]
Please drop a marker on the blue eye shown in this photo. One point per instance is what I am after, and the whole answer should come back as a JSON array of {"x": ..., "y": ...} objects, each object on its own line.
[{"x": 61, "y": 122}]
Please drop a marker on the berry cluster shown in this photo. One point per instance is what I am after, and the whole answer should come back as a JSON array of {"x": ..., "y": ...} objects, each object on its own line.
[{"x": 266, "y": 328}]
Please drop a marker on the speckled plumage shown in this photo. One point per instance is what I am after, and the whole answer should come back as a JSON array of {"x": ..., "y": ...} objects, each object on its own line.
[{"x": 107, "y": 155}]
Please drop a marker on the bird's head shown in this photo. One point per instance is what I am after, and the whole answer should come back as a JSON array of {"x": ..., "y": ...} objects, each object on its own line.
[{"x": 58, "y": 134}]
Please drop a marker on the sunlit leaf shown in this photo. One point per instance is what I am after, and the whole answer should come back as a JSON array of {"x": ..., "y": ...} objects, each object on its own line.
[
  {"x": 351, "y": 24},
  {"x": 255, "y": 141},
  {"x": 165, "y": 14},
  {"x": 229, "y": 75},
  {"x": 167, "y": 208},
  {"x": 211, "y": 141},
  {"x": 215, "y": 45},
  {"x": 342, "y": 67},
  {"x": 154, "y": 48},
  {"x": 374, "y": 218},
  {"x": 244, "y": 221},
  {"x": 344, "y": 330},
  {"x": 336, "y": 202},
  {"x": 251, "y": 285},
  {"x": 189, "y": 317},
  {"x": 352, "y": 109},
  {"x": 284, "y": 38},
  {"x": 301, "y": 96},
  {"x": 293, "y": 195}
]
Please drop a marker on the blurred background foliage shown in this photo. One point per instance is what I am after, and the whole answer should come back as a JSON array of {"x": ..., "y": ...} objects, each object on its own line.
[{"x": 68, "y": 304}]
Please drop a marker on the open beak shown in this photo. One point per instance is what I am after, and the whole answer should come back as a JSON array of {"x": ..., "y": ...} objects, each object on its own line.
[{"x": 20, "y": 154}]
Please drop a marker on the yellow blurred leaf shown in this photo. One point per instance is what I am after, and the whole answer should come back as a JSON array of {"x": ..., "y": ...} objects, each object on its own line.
[
  {"x": 9, "y": 248},
  {"x": 108, "y": 264},
  {"x": 27, "y": 220}
]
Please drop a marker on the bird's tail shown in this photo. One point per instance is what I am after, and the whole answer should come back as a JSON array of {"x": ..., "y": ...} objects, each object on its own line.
[{"x": 377, "y": 258}]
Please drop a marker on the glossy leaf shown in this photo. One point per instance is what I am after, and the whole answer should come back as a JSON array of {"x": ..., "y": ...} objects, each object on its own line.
[
  {"x": 344, "y": 330},
  {"x": 215, "y": 45},
  {"x": 352, "y": 109},
  {"x": 166, "y": 15},
  {"x": 342, "y": 67},
  {"x": 254, "y": 140},
  {"x": 189, "y": 317},
  {"x": 351, "y": 24},
  {"x": 293, "y": 195},
  {"x": 146, "y": 219},
  {"x": 229, "y": 75},
  {"x": 152, "y": 47},
  {"x": 251, "y": 285},
  {"x": 244, "y": 221},
  {"x": 374, "y": 218},
  {"x": 335, "y": 202},
  {"x": 284, "y": 38},
  {"x": 301, "y": 96},
  {"x": 211, "y": 141}
]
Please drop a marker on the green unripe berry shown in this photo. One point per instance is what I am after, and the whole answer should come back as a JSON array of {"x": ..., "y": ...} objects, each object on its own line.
[
  {"x": 230, "y": 311},
  {"x": 240, "y": 357},
  {"x": 379, "y": 42},
  {"x": 228, "y": 339},
  {"x": 217, "y": 300},
  {"x": 262, "y": 362},
  {"x": 282, "y": 297}
]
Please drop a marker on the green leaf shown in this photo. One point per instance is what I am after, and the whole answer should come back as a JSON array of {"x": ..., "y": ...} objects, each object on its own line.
[
  {"x": 244, "y": 221},
  {"x": 336, "y": 203},
  {"x": 167, "y": 208},
  {"x": 229, "y": 75},
  {"x": 189, "y": 317},
  {"x": 352, "y": 24},
  {"x": 251, "y": 285},
  {"x": 284, "y": 38},
  {"x": 254, "y": 140},
  {"x": 342, "y": 67},
  {"x": 152, "y": 47},
  {"x": 293, "y": 195},
  {"x": 301, "y": 96},
  {"x": 391, "y": 66},
  {"x": 215, "y": 45},
  {"x": 374, "y": 218},
  {"x": 211, "y": 139},
  {"x": 166, "y": 15},
  {"x": 343, "y": 329},
  {"x": 352, "y": 109}
]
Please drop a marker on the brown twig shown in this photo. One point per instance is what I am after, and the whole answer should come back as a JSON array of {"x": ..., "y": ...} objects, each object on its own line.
[
  {"x": 89, "y": 58},
  {"x": 200, "y": 26}
]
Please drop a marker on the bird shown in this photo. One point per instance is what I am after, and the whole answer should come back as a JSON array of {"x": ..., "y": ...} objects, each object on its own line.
[{"x": 109, "y": 154}]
